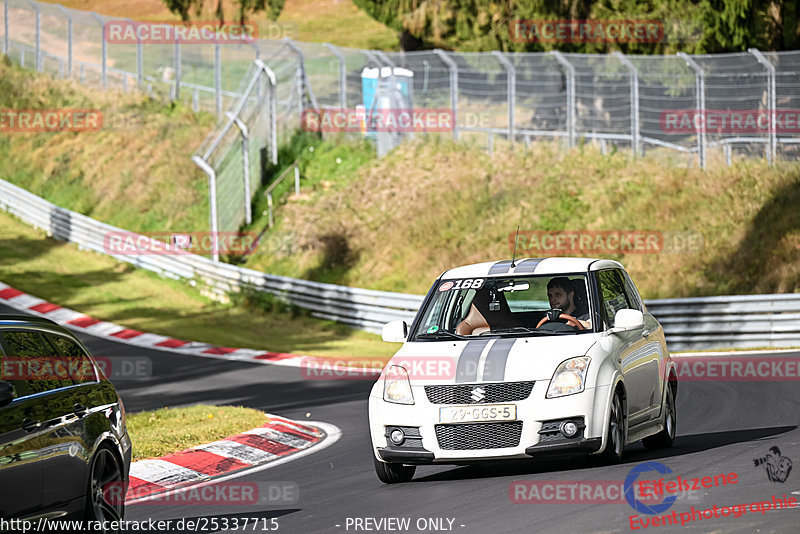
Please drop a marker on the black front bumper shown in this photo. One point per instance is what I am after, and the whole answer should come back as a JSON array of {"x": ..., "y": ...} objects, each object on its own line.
[
  {"x": 405, "y": 455},
  {"x": 565, "y": 447}
]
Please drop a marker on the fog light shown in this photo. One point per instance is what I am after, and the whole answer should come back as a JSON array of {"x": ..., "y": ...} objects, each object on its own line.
[
  {"x": 569, "y": 429},
  {"x": 397, "y": 436}
]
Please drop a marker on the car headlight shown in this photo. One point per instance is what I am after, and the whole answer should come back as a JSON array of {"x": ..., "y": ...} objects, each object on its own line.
[
  {"x": 396, "y": 385},
  {"x": 569, "y": 378}
]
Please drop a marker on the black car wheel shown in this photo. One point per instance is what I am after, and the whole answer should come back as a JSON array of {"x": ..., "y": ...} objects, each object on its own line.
[{"x": 105, "y": 500}]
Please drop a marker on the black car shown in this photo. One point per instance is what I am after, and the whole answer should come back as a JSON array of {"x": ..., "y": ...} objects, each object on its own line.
[{"x": 64, "y": 446}]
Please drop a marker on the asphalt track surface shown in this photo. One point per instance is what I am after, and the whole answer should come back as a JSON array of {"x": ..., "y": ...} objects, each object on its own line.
[{"x": 722, "y": 428}]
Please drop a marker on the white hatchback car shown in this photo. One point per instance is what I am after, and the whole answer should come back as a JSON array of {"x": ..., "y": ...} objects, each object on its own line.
[{"x": 523, "y": 359}]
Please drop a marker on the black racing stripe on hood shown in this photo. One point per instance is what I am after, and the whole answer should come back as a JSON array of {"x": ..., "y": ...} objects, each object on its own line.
[
  {"x": 467, "y": 367},
  {"x": 495, "y": 367}
]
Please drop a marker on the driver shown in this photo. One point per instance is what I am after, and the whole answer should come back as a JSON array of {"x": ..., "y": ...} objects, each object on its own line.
[{"x": 561, "y": 293}]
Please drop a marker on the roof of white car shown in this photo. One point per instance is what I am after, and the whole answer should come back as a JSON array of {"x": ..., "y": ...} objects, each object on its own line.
[{"x": 551, "y": 266}]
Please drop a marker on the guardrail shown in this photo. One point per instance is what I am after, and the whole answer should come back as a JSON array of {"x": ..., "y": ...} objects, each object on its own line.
[{"x": 689, "y": 323}]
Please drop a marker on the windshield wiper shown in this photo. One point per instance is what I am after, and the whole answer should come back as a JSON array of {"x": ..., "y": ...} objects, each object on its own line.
[
  {"x": 513, "y": 330},
  {"x": 439, "y": 335}
]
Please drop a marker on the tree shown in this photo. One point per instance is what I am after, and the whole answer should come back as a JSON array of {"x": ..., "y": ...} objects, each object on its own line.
[
  {"x": 272, "y": 8},
  {"x": 688, "y": 25}
]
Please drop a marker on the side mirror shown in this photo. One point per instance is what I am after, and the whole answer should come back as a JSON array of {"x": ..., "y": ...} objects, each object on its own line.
[
  {"x": 6, "y": 393},
  {"x": 628, "y": 320},
  {"x": 395, "y": 331}
]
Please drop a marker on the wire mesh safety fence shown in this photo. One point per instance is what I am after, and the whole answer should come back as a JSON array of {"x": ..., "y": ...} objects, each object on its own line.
[
  {"x": 685, "y": 103},
  {"x": 704, "y": 107}
]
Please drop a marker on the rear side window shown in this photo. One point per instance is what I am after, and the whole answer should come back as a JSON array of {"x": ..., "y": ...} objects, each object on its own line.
[
  {"x": 612, "y": 295},
  {"x": 29, "y": 363},
  {"x": 79, "y": 363}
]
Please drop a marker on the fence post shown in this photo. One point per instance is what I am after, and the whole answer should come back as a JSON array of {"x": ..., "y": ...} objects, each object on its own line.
[
  {"x": 511, "y": 86},
  {"x": 177, "y": 64},
  {"x": 296, "y": 180},
  {"x": 69, "y": 38},
  {"x": 571, "y": 105},
  {"x": 104, "y": 64},
  {"x": 139, "y": 57},
  {"x": 212, "y": 199},
  {"x": 6, "y": 38},
  {"x": 37, "y": 59},
  {"x": 218, "y": 78},
  {"x": 272, "y": 109},
  {"x": 304, "y": 85},
  {"x": 700, "y": 88},
  {"x": 634, "y": 101},
  {"x": 342, "y": 74},
  {"x": 453, "y": 67},
  {"x": 245, "y": 163},
  {"x": 772, "y": 153}
]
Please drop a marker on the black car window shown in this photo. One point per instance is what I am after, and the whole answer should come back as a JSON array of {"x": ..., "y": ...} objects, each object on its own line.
[
  {"x": 612, "y": 295},
  {"x": 32, "y": 362},
  {"x": 79, "y": 363}
]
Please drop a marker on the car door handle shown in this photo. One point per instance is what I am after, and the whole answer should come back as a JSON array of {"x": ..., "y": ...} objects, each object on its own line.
[
  {"x": 646, "y": 333},
  {"x": 80, "y": 409},
  {"x": 29, "y": 425}
]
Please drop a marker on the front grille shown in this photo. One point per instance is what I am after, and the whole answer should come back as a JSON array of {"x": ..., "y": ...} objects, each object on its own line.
[
  {"x": 494, "y": 392},
  {"x": 479, "y": 436}
]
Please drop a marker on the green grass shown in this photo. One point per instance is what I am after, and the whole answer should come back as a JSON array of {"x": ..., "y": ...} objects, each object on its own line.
[
  {"x": 156, "y": 433},
  {"x": 105, "y": 288},
  {"x": 395, "y": 224}
]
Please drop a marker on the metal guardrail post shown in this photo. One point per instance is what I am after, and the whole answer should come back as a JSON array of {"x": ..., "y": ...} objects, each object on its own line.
[
  {"x": 453, "y": 68},
  {"x": 342, "y": 74},
  {"x": 635, "y": 134},
  {"x": 212, "y": 199},
  {"x": 104, "y": 64},
  {"x": 772, "y": 153},
  {"x": 511, "y": 86},
  {"x": 246, "y": 165},
  {"x": 69, "y": 38},
  {"x": 569, "y": 69},
  {"x": 700, "y": 89}
]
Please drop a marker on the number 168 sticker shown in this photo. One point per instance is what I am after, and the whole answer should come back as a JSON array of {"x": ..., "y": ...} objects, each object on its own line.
[{"x": 469, "y": 283}]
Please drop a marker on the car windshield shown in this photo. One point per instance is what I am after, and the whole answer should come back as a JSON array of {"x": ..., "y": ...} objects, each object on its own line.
[{"x": 508, "y": 306}]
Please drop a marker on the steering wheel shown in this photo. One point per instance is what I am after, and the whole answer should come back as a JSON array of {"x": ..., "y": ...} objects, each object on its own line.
[{"x": 571, "y": 321}]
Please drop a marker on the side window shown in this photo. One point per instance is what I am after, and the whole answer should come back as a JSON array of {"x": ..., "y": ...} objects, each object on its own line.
[
  {"x": 612, "y": 295},
  {"x": 631, "y": 293},
  {"x": 30, "y": 358},
  {"x": 80, "y": 366}
]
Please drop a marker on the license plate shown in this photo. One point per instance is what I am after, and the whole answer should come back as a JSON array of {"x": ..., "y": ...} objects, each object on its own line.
[{"x": 473, "y": 413}]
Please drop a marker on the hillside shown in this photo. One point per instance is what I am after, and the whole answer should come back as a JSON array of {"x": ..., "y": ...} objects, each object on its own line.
[{"x": 428, "y": 206}]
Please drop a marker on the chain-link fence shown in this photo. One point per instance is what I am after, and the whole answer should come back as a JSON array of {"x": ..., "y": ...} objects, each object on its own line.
[{"x": 703, "y": 107}]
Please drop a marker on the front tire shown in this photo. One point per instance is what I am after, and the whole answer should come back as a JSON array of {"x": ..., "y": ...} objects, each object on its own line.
[
  {"x": 393, "y": 473},
  {"x": 666, "y": 437},
  {"x": 615, "y": 443}
]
